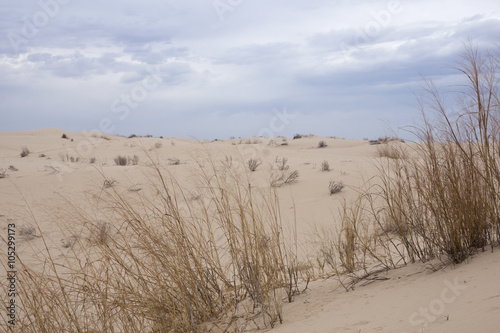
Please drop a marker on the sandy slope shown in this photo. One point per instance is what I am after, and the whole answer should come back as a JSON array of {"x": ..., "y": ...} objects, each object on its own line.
[{"x": 463, "y": 298}]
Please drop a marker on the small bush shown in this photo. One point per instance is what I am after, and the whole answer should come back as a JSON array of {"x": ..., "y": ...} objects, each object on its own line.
[
  {"x": 335, "y": 187},
  {"x": 100, "y": 233},
  {"x": 25, "y": 151},
  {"x": 284, "y": 178},
  {"x": 253, "y": 163},
  {"x": 69, "y": 242},
  {"x": 109, "y": 183},
  {"x": 28, "y": 232},
  {"x": 297, "y": 136},
  {"x": 325, "y": 166},
  {"x": 3, "y": 173},
  {"x": 322, "y": 144},
  {"x": 133, "y": 160},
  {"x": 41, "y": 155},
  {"x": 92, "y": 160},
  {"x": 64, "y": 136},
  {"x": 281, "y": 163},
  {"x": 121, "y": 160},
  {"x": 12, "y": 168},
  {"x": 174, "y": 161}
]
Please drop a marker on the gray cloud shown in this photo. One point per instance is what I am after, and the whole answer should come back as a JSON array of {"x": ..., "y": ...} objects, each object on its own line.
[{"x": 226, "y": 76}]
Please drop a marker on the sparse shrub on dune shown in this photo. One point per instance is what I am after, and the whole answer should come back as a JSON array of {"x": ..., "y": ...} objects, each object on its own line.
[
  {"x": 284, "y": 177},
  {"x": 125, "y": 160},
  {"x": 28, "y": 232},
  {"x": 25, "y": 151},
  {"x": 253, "y": 164},
  {"x": 121, "y": 160},
  {"x": 335, "y": 186},
  {"x": 281, "y": 163},
  {"x": 325, "y": 166},
  {"x": 174, "y": 161},
  {"x": 322, "y": 144}
]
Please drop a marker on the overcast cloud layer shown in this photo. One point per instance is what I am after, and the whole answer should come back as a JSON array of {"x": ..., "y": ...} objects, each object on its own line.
[{"x": 219, "y": 68}]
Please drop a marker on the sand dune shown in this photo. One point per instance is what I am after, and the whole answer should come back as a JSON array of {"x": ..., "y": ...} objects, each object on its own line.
[{"x": 419, "y": 297}]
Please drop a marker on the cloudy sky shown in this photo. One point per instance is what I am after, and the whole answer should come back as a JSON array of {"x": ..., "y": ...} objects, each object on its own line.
[{"x": 219, "y": 68}]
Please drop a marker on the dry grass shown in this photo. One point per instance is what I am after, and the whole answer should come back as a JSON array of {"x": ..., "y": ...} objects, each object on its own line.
[
  {"x": 164, "y": 263},
  {"x": 391, "y": 150}
]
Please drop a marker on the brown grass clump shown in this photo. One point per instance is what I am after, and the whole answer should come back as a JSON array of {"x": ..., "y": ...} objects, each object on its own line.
[
  {"x": 391, "y": 150},
  {"x": 162, "y": 262}
]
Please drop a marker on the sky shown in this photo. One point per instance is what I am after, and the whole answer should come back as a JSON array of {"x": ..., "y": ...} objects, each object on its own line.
[{"x": 213, "y": 69}]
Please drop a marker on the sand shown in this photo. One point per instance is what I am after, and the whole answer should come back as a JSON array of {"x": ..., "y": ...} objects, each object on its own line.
[{"x": 416, "y": 298}]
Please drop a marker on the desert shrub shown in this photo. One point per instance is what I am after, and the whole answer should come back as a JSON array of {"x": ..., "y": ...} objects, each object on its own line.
[
  {"x": 322, "y": 144},
  {"x": 125, "y": 160},
  {"x": 253, "y": 163},
  {"x": 25, "y": 151},
  {"x": 12, "y": 168},
  {"x": 3, "y": 173},
  {"x": 121, "y": 160},
  {"x": 109, "y": 182},
  {"x": 28, "y": 232},
  {"x": 335, "y": 186},
  {"x": 41, "y": 155},
  {"x": 64, "y": 136},
  {"x": 297, "y": 136},
  {"x": 99, "y": 232},
  {"x": 174, "y": 161},
  {"x": 281, "y": 163},
  {"x": 325, "y": 166},
  {"x": 65, "y": 157},
  {"x": 134, "y": 160},
  {"x": 92, "y": 160},
  {"x": 284, "y": 178}
]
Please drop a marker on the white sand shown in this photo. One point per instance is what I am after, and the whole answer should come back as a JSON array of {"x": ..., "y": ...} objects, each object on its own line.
[{"x": 397, "y": 304}]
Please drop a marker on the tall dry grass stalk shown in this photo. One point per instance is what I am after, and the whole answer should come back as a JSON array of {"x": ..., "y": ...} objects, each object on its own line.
[
  {"x": 437, "y": 197},
  {"x": 165, "y": 263}
]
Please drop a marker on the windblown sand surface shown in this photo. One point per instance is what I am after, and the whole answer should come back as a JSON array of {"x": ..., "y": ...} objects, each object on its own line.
[{"x": 415, "y": 298}]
